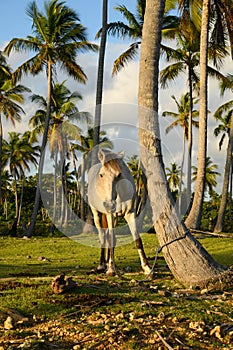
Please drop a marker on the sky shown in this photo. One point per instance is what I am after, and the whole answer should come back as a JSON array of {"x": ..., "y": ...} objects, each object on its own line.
[{"x": 120, "y": 92}]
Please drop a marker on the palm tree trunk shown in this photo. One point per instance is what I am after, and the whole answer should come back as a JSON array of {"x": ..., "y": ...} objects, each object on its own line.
[
  {"x": 230, "y": 199},
  {"x": 221, "y": 213},
  {"x": 5, "y": 212},
  {"x": 21, "y": 198},
  {"x": 82, "y": 204},
  {"x": 16, "y": 198},
  {"x": 194, "y": 218},
  {"x": 32, "y": 225},
  {"x": 77, "y": 192},
  {"x": 190, "y": 138},
  {"x": 187, "y": 259},
  {"x": 100, "y": 77},
  {"x": 55, "y": 188},
  {"x": 181, "y": 176},
  {"x": 1, "y": 136}
]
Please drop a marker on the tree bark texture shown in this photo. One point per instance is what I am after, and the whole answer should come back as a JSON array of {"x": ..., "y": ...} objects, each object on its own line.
[
  {"x": 190, "y": 140},
  {"x": 194, "y": 218},
  {"x": 189, "y": 262}
]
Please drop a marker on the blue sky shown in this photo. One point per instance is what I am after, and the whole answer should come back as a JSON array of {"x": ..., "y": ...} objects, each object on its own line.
[
  {"x": 119, "y": 91},
  {"x": 15, "y": 23}
]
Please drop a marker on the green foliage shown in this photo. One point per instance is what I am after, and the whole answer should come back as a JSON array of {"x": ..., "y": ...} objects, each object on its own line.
[{"x": 210, "y": 214}]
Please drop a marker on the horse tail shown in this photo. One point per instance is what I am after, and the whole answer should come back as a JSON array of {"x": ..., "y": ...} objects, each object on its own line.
[{"x": 104, "y": 221}]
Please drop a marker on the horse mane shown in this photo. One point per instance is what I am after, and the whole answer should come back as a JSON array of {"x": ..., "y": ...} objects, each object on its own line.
[
  {"x": 112, "y": 162},
  {"x": 114, "y": 165}
]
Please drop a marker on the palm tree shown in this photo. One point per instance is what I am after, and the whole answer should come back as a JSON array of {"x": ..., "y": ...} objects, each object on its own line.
[
  {"x": 58, "y": 37},
  {"x": 61, "y": 130},
  {"x": 218, "y": 51},
  {"x": 134, "y": 164},
  {"x": 227, "y": 128},
  {"x": 133, "y": 30},
  {"x": 224, "y": 126},
  {"x": 11, "y": 97},
  {"x": 210, "y": 175},
  {"x": 6, "y": 192},
  {"x": 176, "y": 241},
  {"x": 194, "y": 218},
  {"x": 18, "y": 153},
  {"x": 173, "y": 176},
  {"x": 100, "y": 78},
  {"x": 222, "y": 17},
  {"x": 185, "y": 58},
  {"x": 182, "y": 118}
]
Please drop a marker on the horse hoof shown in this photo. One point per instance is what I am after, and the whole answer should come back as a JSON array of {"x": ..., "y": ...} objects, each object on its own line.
[
  {"x": 147, "y": 270},
  {"x": 101, "y": 269},
  {"x": 111, "y": 273}
]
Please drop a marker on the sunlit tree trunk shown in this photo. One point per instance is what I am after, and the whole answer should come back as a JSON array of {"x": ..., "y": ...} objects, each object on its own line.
[
  {"x": 16, "y": 197},
  {"x": 0, "y": 159},
  {"x": 190, "y": 139},
  {"x": 194, "y": 218},
  {"x": 55, "y": 187},
  {"x": 225, "y": 187},
  {"x": 181, "y": 176},
  {"x": 189, "y": 262},
  {"x": 21, "y": 198}
]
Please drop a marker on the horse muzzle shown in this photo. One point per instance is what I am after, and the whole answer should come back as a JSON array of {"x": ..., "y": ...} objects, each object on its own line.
[{"x": 110, "y": 206}]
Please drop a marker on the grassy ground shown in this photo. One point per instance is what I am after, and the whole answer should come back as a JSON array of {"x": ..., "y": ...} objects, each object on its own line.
[{"x": 121, "y": 312}]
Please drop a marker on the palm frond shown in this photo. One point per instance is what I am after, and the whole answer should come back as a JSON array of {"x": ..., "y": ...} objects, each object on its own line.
[
  {"x": 170, "y": 73},
  {"x": 226, "y": 83},
  {"x": 226, "y": 107},
  {"x": 118, "y": 29},
  {"x": 129, "y": 16},
  {"x": 125, "y": 57}
]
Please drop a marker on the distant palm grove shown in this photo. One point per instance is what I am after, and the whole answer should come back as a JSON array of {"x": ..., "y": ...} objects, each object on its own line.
[{"x": 55, "y": 43}]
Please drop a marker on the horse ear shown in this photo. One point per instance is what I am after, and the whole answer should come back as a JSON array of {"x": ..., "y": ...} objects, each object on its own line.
[
  {"x": 101, "y": 156},
  {"x": 121, "y": 154}
]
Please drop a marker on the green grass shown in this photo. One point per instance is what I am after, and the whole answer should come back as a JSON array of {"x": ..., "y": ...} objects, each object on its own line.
[{"x": 122, "y": 312}]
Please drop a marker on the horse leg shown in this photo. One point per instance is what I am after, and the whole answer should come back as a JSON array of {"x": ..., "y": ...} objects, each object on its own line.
[
  {"x": 111, "y": 269},
  {"x": 102, "y": 238},
  {"x": 130, "y": 218}
]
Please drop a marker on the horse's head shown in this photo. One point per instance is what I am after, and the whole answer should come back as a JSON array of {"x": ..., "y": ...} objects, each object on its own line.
[{"x": 108, "y": 176}]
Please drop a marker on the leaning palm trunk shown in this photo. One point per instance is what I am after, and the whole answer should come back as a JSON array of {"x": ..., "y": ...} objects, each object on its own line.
[
  {"x": 189, "y": 262},
  {"x": 32, "y": 225},
  {"x": 194, "y": 218},
  {"x": 221, "y": 213}
]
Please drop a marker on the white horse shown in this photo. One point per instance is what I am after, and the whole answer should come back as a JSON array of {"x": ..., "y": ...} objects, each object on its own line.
[{"x": 111, "y": 193}]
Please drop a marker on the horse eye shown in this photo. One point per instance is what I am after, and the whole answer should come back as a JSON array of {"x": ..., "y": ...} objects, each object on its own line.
[{"x": 101, "y": 175}]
